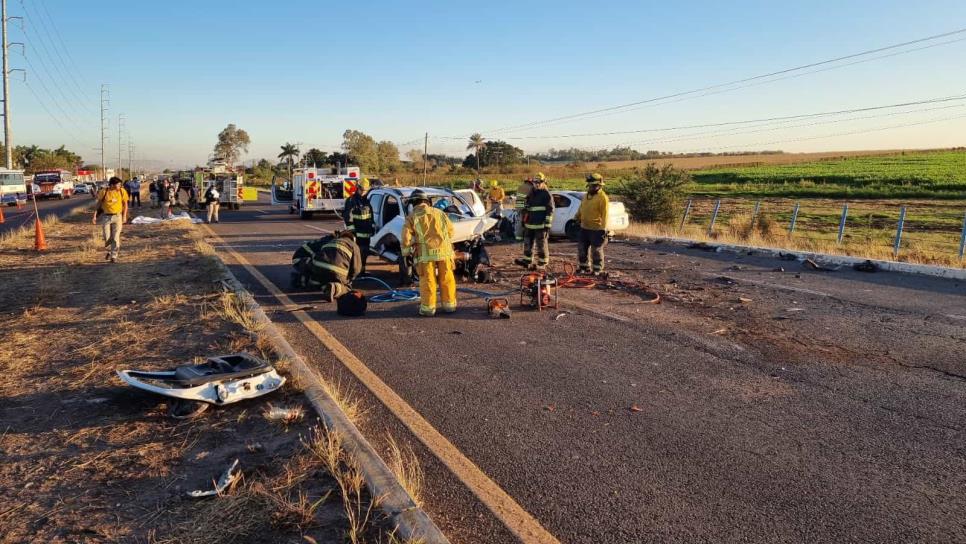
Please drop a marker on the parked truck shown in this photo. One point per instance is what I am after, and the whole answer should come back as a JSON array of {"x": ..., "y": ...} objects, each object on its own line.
[{"x": 315, "y": 190}]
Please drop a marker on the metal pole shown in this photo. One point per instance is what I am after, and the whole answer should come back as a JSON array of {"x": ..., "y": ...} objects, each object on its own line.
[
  {"x": 962, "y": 239},
  {"x": 791, "y": 227},
  {"x": 845, "y": 214},
  {"x": 120, "y": 128},
  {"x": 684, "y": 218},
  {"x": 754, "y": 214},
  {"x": 714, "y": 215},
  {"x": 7, "y": 132},
  {"x": 902, "y": 220},
  {"x": 105, "y": 99},
  {"x": 426, "y": 156}
]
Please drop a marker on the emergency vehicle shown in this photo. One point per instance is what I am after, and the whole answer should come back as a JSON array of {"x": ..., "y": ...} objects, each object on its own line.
[
  {"x": 12, "y": 186},
  {"x": 53, "y": 184},
  {"x": 315, "y": 190}
]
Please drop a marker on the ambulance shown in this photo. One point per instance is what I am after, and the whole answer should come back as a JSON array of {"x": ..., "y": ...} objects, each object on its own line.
[{"x": 316, "y": 190}]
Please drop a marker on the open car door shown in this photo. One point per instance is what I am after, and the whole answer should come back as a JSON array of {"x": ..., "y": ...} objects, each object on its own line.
[{"x": 282, "y": 192}]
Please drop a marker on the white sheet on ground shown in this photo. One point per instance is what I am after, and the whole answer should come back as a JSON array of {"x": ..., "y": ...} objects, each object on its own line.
[{"x": 143, "y": 220}]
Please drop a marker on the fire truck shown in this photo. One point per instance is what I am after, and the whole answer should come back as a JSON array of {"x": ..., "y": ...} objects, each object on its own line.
[{"x": 314, "y": 190}]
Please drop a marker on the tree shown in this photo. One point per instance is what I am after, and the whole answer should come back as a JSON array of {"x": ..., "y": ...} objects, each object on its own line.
[
  {"x": 653, "y": 193},
  {"x": 288, "y": 154},
  {"x": 315, "y": 157},
  {"x": 362, "y": 150},
  {"x": 415, "y": 156},
  {"x": 495, "y": 153},
  {"x": 388, "y": 155},
  {"x": 476, "y": 144},
  {"x": 232, "y": 143},
  {"x": 336, "y": 158}
]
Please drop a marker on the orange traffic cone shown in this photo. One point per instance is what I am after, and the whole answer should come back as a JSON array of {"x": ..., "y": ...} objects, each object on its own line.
[
  {"x": 2, "y": 220},
  {"x": 40, "y": 243}
]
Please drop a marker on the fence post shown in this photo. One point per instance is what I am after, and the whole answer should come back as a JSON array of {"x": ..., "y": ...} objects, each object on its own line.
[
  {"x": 754, "y": 214},
  {"x": 845, "y": 214},
  {"x": 714, "y": 216},
  {"x": 902, "y": 220},
  {"x": 684, "y": 218},
  {"x": 791, "y": 227},
  {"x": 962, "y": 239}
]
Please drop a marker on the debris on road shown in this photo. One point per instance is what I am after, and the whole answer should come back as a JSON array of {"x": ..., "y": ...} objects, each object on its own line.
[
  {"x": 284, "y": 415},
  {"x": 561, "y": 314},
  {"x": 867, "y": 266},
  {"x": 744, "y": 300},
  {"x": 227, "y": 478},
  {"x": 635, "y": 408},
  {"x": 498, "y": 308},
  {"x": 808, "y": 263}
]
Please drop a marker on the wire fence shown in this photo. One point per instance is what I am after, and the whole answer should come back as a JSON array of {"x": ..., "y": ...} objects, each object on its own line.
[{"x": 927, "y": 232}]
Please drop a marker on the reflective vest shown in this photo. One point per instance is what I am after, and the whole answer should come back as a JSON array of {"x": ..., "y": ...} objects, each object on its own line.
[
  {"x": 338, "y": 257},
  {"x": 539, "y": 210},
  {"x": 523, "y": 191},
  {"x": 429, "y": 232},
  {"x": 357, "y": 216}
]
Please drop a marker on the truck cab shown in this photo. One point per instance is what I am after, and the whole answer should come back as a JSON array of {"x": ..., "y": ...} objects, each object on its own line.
[{"x": 53, "y": 184}]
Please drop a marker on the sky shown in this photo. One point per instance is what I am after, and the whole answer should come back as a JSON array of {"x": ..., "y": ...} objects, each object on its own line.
[{"x": 303, "y": 72}]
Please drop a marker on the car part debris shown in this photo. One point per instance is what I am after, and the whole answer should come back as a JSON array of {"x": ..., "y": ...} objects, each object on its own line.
[
  {"x": 788, "y": 256},
  {"x": 285, "y": 415},
  {"x": 498, "y": 308},
  {"x": 227, "y": 478},
  {"x": 808, "y": 263},
  {"x": 219, "y": 380},
  {"x": 867, "y": 266}
]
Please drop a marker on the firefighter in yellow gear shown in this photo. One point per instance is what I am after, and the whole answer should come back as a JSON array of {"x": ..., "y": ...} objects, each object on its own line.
[
  {"x": 592, "y": 217},
  {"x": 427, "y": 237},
  {"x": 494, "y": 198}
]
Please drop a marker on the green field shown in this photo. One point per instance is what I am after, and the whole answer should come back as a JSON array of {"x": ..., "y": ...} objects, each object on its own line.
[{"x": 930, "y": 175}]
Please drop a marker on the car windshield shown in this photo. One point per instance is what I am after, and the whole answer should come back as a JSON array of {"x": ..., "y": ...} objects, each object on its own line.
[{"x": 47, "y": 177}]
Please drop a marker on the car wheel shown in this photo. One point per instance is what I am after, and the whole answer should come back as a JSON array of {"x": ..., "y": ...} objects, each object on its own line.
[{"x": 572, "y": 230}]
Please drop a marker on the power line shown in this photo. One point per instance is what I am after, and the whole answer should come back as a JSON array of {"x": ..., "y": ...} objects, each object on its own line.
[
  {"x": 54, "y": 117},
  {"x": 50, "y": 95},
  {"x": 58, "y": 35},
  {"x": 732, "y": 83}
]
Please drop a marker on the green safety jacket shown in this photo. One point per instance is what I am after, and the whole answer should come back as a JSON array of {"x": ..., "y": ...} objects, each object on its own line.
[{"x": 538, "y": 212}]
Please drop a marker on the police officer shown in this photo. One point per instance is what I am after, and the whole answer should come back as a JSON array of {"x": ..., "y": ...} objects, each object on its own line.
[{"x": 357, "y": 216}]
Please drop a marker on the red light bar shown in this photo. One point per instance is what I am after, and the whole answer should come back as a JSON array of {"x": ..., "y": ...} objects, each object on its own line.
[
  {"x": 311, "y": 175},
  {"x": 352, "y": 174}
]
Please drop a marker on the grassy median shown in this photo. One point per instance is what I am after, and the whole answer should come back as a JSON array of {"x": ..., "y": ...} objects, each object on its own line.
[{"x": 88, "y": 459}]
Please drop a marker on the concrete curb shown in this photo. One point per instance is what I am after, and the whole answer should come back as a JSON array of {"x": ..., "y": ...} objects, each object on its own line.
[
  {"x": 409, "y": 519},
  {"x": 820, "y": 258}
]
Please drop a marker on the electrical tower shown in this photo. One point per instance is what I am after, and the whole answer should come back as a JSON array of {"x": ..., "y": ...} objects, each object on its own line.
[{"x": 120, "y": 142}]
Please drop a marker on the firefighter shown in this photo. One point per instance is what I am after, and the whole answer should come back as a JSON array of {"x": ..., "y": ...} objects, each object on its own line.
[
  {"x": 592, "y": 217},
  {"x": 334, "y": 265},
  {"x": 520, "y": 202},
  {"x": 495, "y": 198},
  {"x": 357, "y": 216},
  {"x": 538, "y": 215},
  {"x": 427, "y": 237}
]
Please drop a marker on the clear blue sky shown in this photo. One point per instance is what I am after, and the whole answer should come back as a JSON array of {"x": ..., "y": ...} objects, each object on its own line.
[{"x": 304, "y": 71}]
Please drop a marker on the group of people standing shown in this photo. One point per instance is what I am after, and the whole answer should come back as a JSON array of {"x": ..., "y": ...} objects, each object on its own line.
[{"x": 165, "y": 195}]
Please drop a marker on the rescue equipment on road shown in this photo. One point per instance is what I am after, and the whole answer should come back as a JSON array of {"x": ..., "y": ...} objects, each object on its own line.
[{"x": 538, "y": 290}]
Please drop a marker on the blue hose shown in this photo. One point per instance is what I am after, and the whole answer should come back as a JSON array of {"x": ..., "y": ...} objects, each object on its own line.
[{"x": 411, "y": 295}]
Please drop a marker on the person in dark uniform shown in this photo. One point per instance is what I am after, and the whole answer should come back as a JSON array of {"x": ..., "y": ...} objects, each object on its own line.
[{"x": 357, "y": 216}]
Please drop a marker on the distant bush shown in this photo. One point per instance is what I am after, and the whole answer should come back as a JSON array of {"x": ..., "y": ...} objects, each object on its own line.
[{"x": 654, "y": 194}]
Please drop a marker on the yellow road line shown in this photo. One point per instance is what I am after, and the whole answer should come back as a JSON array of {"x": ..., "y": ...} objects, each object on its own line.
[{"x": 523, "y": 525}]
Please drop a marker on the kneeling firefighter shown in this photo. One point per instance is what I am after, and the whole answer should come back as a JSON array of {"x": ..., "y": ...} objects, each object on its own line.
[
  {"x": 330, "y": 263},
  {"x": 427, "y": 237}
]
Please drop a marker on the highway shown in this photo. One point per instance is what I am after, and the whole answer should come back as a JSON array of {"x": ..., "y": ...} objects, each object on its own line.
[
  {"x": 760, "y": 402},
  {"x": 15, "y": 218}
]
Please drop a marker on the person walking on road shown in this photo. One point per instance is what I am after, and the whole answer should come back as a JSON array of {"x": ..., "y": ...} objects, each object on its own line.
[
  {"x": 112, "y": 208},
  {"x": 212, "y": 202},
  {"x": 520, "y": 202},
  {"x": 494, "y": 198},
  {"x": 334, "y": 265},
  {"x": 357, "y": 216},
  {"x": 427, "y": 237},
  {"x": 537, "y": 217},
  {"x": 592, "y": 217}
]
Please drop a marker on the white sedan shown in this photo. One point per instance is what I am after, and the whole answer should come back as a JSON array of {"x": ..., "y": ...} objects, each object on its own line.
[{"x": 566, "y": 204}]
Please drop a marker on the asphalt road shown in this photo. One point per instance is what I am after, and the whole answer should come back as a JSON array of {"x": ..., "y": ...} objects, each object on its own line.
[
  {"x": 15, "y": 218},
  {"x": 761, "y": 402}
]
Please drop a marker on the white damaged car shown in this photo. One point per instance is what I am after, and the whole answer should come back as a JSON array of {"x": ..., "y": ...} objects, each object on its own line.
[
  {"x": 390, "y": 208},
  {"x": 566, "y": 204}
]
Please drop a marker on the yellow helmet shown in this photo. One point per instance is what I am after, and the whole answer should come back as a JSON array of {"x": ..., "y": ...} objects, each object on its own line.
[
  {"x": 595, "y": 179},
  {"x": 494, "y": 183},
  {"x": 540, "y": 177},
  {"x": 364, "y": 184}
]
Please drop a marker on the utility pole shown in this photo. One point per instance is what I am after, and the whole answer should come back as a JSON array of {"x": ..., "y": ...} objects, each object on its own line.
[
  {"x": 105, "y": 101},
  {"x": 425, "y": 156},
  {"x": 7, "y": 133},
  {"x": 130, "y": 158},
  {"x": 120, "y": 130}
]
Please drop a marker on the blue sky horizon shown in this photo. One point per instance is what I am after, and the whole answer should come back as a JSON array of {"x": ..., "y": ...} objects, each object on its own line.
[{"x": 304, "y": 72}]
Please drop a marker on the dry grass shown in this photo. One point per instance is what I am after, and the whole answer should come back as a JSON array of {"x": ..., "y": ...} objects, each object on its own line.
[
  {"x": 231, "y": 307},
  {"x": 405, "y": 465}
]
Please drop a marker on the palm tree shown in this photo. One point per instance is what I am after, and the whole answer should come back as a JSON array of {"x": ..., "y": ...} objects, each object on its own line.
[
  {"x": 477, "y": 143},
  {"x": 289, "y": 152}
]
